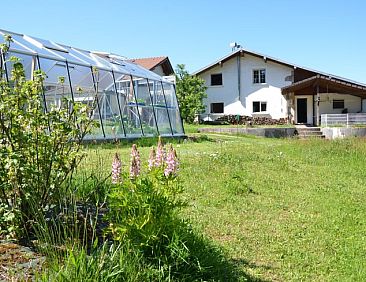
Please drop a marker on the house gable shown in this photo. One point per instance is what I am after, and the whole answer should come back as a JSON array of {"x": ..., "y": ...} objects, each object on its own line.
[{"x": 239, "y": 93}]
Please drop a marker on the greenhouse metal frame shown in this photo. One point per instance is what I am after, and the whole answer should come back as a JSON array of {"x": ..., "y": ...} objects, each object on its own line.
[{"x": 128, "y": 100}]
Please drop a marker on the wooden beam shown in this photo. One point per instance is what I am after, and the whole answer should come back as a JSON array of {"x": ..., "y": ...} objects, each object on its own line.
[{"x": 317, "y": 105}]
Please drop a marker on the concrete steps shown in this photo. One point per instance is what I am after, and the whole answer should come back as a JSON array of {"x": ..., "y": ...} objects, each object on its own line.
[{"x": 309, "y": 132}]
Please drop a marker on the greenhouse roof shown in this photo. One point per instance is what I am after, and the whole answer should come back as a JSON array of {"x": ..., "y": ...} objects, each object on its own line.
[{"x": 33, "y": 46}]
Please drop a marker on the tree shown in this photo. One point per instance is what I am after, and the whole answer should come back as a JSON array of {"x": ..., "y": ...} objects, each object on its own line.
[{"x": 190, "y": 93}]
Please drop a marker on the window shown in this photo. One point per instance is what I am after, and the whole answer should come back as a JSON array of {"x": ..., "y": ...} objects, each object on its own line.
[
  {"x": 216, "y": 79},
  {"x": 259, "y": 76},
  {"x": 259, "y": 107},
  {"x": 338, "y": 104},
  {"x": 217, "y": 108}
]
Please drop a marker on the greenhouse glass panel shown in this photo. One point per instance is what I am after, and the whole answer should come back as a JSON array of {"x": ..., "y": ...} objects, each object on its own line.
[
  {"x": 146, "y": 108},
  {"x": 129, "y": 106},
  {"x": 84, "y": 92},
  {"x": 91, "y": 58},
  {"x": 23, "y": 41},
  {"x": 15, "y": 45},
  {"x": 110, "y": 113},
  {"x": 133, "y": 69},
  {"x": 173, "y": 109},
  {"x": 70, "y": 58},
  {"x": 56, "y": 84},
  {"x": 29, "y": 64},
  {"x": 160, "y": 108}
]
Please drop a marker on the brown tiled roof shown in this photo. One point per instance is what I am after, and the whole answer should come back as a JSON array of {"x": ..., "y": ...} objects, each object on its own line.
[{"x": 151, "y": 63}]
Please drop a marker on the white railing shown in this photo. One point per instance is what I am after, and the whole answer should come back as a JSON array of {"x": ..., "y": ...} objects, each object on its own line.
[{"x": 343, "y": 119}]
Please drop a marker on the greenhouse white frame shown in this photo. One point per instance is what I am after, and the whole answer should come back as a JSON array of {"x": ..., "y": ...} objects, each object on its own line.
[{"x": 130, "y": 100}]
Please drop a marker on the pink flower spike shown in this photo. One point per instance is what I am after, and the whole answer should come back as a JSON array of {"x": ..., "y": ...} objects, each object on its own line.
[
  {"x": 152, "y": 158},
  {"x": 135, "y": 162},
  {"x": 160, "y": 154},
  {"x": 172, "y": 163},
  {"x": 116, "y": 169}
]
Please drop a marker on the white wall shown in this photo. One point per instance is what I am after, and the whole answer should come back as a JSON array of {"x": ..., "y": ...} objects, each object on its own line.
[
  {"x": 158, "y": 70},
  {"x": 352, "y": 103},
  {"x": 228, "y": 93}
]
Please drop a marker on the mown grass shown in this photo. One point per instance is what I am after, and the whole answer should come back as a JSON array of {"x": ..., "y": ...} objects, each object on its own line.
[{"x": 280, "y": 209}]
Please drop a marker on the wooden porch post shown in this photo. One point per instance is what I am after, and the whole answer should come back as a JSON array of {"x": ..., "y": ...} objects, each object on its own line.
[
  {"x": 313, "y": 103},
  {"x": 317, "y": 104}
]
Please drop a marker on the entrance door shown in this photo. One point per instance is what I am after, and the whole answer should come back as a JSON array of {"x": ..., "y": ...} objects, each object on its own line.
[{"x": 302, "y": 113}]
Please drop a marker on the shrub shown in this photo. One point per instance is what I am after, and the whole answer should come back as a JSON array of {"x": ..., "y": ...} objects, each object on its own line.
[{"x": 39, "y": 149}]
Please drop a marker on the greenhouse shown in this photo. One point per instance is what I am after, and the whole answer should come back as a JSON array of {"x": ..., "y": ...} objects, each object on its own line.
[{"x": 128, "y": 100}]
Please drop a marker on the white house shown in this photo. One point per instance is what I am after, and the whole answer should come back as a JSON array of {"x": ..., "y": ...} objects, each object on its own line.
[{"x": 252, "y": 84}]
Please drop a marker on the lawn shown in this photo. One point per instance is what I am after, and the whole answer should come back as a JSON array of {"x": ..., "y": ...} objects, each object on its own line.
[{"x": 280, "y": 209}]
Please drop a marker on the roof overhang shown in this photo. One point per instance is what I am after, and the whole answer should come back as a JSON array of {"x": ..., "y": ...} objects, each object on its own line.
[{"x": 325, "y": 84}]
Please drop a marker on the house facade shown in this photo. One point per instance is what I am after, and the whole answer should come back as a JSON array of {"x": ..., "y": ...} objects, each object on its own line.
[{"x": 252, "y": 84}]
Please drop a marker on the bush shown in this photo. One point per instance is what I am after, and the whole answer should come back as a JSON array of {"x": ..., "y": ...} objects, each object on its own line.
[{"x": 39, "y": 149}]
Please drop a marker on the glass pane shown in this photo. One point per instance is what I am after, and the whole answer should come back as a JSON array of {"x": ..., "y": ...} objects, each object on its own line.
[
  {"x": 56, "y": 84},
  {"x": 263, "y": 106},
  {"x": 29, "y": 64},
  {"x": 15, "y": 45},
  {"x": 263, "y": 75},
  {"x": 92, "y": 59},
  {"x": 135, "y": 70},
  {"x": 129, "y": 107},
  {"x": 27, "y": 42},
  {"x": 145, "y": 107},
  {"x": 48, "y": 44},
  {"x": 84, "y": 92},
  {"x": 160, "y": 108},
  {"x": 255, "y": 76},
  {"x": 256, "y": 107},
  {"x": 109, "y": 108},
  {"x": 70, "y": 58},
  {"x": 173, "y": 108}
]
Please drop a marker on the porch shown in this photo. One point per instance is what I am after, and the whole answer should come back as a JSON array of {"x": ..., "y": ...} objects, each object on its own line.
[{"x": 312, "y": 97}]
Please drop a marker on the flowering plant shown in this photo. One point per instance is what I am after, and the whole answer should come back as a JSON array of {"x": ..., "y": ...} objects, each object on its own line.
[{"x": 143, "y": 204}]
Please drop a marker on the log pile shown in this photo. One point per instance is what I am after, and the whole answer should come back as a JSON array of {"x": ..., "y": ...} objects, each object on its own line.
[{"x": 247, "y": 120}]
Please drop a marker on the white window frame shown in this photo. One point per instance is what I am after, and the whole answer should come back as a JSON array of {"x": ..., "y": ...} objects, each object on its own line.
[
  {"x": 223, "y": 107},
  {"x": 260, "y": 106},
  {"x": 259, "y": 76},
  {"x": 222, "y": 80},
  {"x": 336, "y": 101}
]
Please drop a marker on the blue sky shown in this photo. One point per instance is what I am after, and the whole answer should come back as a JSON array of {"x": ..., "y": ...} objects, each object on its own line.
[{"x": 325, "y": 35}]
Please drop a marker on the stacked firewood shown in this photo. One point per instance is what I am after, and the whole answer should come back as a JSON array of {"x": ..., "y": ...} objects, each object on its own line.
[{"x": 247, "y": 120}]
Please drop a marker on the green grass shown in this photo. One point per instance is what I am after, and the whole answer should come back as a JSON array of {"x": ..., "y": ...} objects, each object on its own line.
[{"x": 280, "y": 209}]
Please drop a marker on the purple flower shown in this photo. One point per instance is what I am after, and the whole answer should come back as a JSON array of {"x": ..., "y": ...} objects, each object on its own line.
[
  {"x": 152, "y": 158},
  {"x": 172, "y": 164},
  {"x": 135, "y": 162},
  {"x": 116, "y": 169},
  {"x": 160, "y": 154}
]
